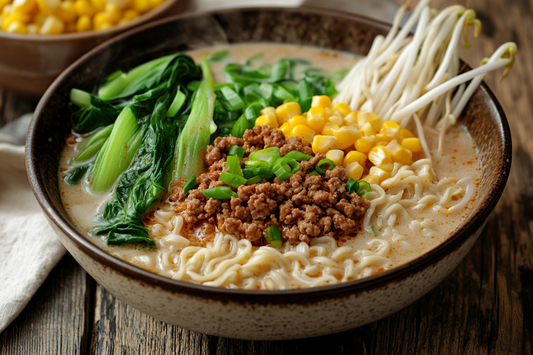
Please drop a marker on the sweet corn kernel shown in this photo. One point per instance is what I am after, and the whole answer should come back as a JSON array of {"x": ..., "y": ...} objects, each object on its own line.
[
  {"x": 391, "y": 130},
  {"x": 84, "y": 7},
  {"x": 316, "y": 111},
  {"x": 66, "y": 12},
  {"x": 39, "y": 18},
  {"x": 296, "y": 120},
  {"x": 355, "y": 156},
  {"x": 321, "y": 101},
  {"x": 398, "y": 153},
  {"x": 336, "y": 120},
  {"x": 316, "y": 123},
  {"x": 364, "y": 144},
  {"x": 48, "y": 7},
  {"x": 156, "y": 3},
  {"x": 329, "y": 129},
  {"x": 83, "y": 23},
  {"x": 336, "y": 155},
  {"x": 101, "y": 21},
  {"x": 113, "y": 12},
  {"x": 267, "y": 119},
  {"x": 99, "y": 5},
  {"x": 22, "y": 5},
  {"x": 367, "y": 130},
  {"x": 379, "y": 173},
  {"x": 286, "y": 129},
  {"x": 17, "y": 27},
  {"x": 369, "y": 117},
  {"x": 371, "y": 179},
  {"x": 33, "y": 29},
  {"x": 355, "y": 170},
  {"x": 382, "y": 139},
  {"x": 131, "y": 14},
  {"x": 322, "y": 144},
  {"x": 4, "y": 3},
  {"x": 405, "y": 133},
  {"x": 52, "y": 26},
  {"x": 413, "y": 144},
  {"x": 343, "y": 108},
  {"x": 350, "y": 119},
  {"x": 141, "y": 5},
  {"x": 266, "y": 110},
  {"x": 303, "y": 132},
  {"x": 347, "y": 136},
  {"x": 288, "y": 110},
  {"x": 380, "y": 157},
  {"x": 328, "y": 111}
]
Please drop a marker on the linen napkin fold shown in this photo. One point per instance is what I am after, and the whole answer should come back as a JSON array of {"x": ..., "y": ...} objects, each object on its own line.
[{"x": 29, "y": 248}]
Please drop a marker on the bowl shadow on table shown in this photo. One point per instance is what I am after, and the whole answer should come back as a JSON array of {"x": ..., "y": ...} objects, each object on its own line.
[
  {"x": 255, "y": 315},
  {"x": 30, "y": 63}
]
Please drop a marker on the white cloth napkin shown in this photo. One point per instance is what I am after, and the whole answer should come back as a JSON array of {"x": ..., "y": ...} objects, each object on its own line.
[{"x": 29, "y": 248}]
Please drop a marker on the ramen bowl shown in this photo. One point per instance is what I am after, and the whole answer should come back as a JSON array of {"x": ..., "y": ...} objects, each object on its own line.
[
  {"x": 255, "y": 315},
  {"x": 30, "y": 63}
]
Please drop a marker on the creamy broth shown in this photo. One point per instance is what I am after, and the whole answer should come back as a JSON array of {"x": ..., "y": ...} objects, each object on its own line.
[{"x": 411, "y": 234}]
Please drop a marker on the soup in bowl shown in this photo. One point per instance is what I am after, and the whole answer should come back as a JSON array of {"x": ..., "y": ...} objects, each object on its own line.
[{"x": 307, "y": 295}]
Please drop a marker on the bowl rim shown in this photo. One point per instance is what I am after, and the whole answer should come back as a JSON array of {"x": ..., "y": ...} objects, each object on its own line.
[
  {"x": 116, "y": 29},
  {"x": 400, "y": 272}
]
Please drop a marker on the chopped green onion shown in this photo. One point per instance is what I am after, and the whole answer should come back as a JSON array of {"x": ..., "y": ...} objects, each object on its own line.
[
  {"x": 270, "y": 155},
  {"x": 285, "y": 168},
  {"x": 176, "y": 104},
  {"x": 254, "y": 180},
  {"x": 313, "y": 173},
  {"x": 373, "y": 231},
  {"x": 266, "y": 90},
  {"x": 265, "y": 170},
  {"x": 282, "y": 94},
  {"x": 233, "y": 164},
  {"x": 363, "y": 188},
  {"x": 232, "y": 180},
  {"x": 352, "y": 185},
  {"x": 324, "y": 165},
  {"x": 189, "y": 185},
  {"x": 233, "y": 98},
  {"x": 217, "y": 56},
  {"x": 238, "y": 151},
  {"x": 298, "y": 156},
  {"x": 220, "y": 193},
  {"x": 249, "y": 173},
  {"x": 273, "y": 237}
]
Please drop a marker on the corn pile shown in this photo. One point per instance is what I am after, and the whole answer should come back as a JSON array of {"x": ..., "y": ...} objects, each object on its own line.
[
  {"x": 360, "y": 141},
  {"x": 53, "y": 17}
]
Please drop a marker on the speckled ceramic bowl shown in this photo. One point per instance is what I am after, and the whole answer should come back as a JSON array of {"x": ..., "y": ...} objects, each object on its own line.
[
  {"x": 255, "y": 314},
  {"x": 30, "y": 63}
]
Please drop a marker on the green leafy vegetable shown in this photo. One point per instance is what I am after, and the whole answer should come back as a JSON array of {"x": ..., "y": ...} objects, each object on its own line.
[
  {"x": 189, "y": 185},
  {"x": 273, "y": 237},
  {"x": 218, "y": 56}
]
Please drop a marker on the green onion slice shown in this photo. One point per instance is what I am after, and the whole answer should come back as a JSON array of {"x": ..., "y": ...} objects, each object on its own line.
[
  {"x": 363, "y": 188},
  {"x": 265, "y": 170},
  {"x": 270, "y": 155},
  {"x": 273, "y": 237},
  {"x": 238, "y": 151},
  {"x": 254, "y": 180},
  {"x": 285, "y": 168},
  {"x": 324, "y": 165},
  {"x": 233, "y": 98},
  {"x": 233, "y": 164},
  {"x": 352, "y": 185},
  {"x": 249, "y": 173},
  {"x": 220, "y": 193},
  {"x": 232, "y": 180},
  {"x": 217, "y": 56},
  {"x": 189, "y": 185},
  {"x": 298, "y": 156},
  {"x": 313, "y": 173},
  {"x": 373, "y": 231}
]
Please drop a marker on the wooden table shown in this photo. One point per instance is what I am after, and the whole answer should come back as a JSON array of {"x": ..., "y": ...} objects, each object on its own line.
[{"x": 484, "y": 307}]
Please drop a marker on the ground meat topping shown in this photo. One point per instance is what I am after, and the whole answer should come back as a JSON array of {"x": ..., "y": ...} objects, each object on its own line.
[{"x": 302, "y": 206}]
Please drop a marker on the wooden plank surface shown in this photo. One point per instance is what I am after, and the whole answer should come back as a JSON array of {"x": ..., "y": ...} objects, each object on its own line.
[{"x": 484, "y": 307}]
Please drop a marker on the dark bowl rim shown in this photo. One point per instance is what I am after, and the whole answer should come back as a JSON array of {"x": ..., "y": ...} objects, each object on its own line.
[
  {"x": 65, "y": 37},
  {"x": 472, "y": 225}
]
